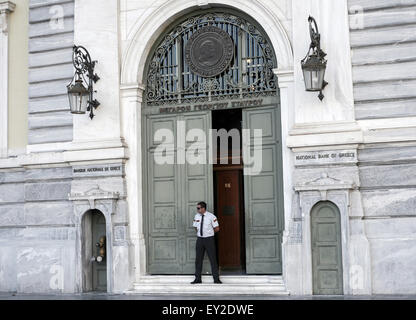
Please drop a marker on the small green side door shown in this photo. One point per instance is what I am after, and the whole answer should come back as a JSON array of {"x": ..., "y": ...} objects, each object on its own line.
[
  {"x": 99, "y": 269},
  {"x": 326, "y": 249}
]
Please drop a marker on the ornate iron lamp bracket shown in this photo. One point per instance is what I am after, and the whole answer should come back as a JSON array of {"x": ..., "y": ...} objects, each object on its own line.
[
  {"x": 84, "y": 70},
  {"x": 315, "y": 56}
]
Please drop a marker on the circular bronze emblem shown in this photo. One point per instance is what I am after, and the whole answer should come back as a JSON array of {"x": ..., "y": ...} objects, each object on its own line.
[{"x": 209, "y": 51}]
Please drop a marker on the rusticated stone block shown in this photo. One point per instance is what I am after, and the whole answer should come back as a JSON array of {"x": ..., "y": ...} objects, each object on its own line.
[{"x": 47, "y": 191}]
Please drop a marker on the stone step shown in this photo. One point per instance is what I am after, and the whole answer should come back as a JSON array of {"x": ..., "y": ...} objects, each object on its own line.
[
  {"x": 232, "y": 285},
  {"x": 209, "y": 279}
]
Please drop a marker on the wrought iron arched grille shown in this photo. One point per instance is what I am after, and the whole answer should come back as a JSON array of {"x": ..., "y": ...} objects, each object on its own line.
[{"x": 250, "y": 73}]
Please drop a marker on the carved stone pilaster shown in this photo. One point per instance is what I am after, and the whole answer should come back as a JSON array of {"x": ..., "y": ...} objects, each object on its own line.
[
  {"x": 3, "y": 22},
  {"x": 5, "y": 9}
]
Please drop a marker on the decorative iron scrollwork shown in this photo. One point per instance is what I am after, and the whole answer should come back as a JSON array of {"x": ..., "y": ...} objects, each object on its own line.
[{"x": 211, "y": 56}]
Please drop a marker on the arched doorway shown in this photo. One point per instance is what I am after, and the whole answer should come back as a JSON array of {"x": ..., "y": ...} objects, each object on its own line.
[
  {"x": 94, "y": 251},
  {"x": 327, "y": 276},
  {"x": 207, "y": 65}
]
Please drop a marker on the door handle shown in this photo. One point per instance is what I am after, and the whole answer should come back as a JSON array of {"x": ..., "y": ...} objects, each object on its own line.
[
  {"x": 97, "y": 259},
  {"x": 101, "y": 250}
]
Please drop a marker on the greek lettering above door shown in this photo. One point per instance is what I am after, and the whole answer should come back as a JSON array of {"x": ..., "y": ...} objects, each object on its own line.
[{"x": 209, "y": 106}]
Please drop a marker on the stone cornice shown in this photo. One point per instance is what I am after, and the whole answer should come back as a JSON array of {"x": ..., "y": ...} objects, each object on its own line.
[
  {"x": 65, "y": 158},
  {"x": 325, "y": 134},
  {"x": 95, "y": 193},
  {"x": 325, "y": 183},
  {"x": 5, "y": 8}
]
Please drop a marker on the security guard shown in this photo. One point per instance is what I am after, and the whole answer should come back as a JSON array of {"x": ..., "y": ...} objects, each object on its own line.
[{"x": 206, "y": 224}]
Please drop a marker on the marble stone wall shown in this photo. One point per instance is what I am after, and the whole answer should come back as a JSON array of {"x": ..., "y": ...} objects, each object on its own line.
[
  {"x": 36, "y": 231},
  {"x": 379, "y": 183},
  {"x": 38, "y": 227},
  {"x": 383, "y": 42},
  {"x": 388, "y": 188}
]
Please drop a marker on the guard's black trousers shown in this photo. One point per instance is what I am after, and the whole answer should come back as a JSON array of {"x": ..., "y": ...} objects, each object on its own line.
[{"x": 207, "y": 244}]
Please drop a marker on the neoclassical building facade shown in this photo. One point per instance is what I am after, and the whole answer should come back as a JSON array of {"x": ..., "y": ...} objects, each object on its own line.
[{"x": 86, "y": 206}]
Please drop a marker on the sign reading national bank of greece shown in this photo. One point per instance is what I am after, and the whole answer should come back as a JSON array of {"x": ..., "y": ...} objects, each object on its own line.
[
  {"x": 325, "y": 157},
  {"x": 114, "y": 169}
]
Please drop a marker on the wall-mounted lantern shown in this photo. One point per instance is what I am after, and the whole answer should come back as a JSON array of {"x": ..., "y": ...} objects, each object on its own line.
[
  {"x": 81, "y": 90},
  {"x": 314, "y": 64}
]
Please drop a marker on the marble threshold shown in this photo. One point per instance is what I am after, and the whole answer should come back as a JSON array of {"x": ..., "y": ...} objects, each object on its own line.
[{"x": 231, "y": 285}]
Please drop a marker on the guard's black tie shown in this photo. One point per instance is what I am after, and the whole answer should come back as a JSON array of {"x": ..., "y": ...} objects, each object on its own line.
[{"x": 202, "y": 224}]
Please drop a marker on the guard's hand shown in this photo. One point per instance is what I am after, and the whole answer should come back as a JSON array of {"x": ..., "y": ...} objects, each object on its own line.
[{"x": 217, "y": 229}]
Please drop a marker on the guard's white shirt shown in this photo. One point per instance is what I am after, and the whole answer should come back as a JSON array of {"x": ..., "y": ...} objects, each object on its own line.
[{"x": 210, "y": 222}]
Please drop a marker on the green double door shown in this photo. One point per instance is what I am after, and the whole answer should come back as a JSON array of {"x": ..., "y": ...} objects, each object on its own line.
[
  {"x": 263, "y": 192},
  {"x": 173, "y": 190}
]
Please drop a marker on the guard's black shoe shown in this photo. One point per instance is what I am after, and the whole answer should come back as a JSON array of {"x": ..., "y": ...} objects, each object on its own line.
[
  {"x": 196, "y": 281},
  {"x": 217, "y": 281}
]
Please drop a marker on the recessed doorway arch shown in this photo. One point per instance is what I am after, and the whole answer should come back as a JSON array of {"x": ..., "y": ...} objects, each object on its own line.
[
  {"x": 143, "y": 35},
  {"x": 181, "y": 92}
]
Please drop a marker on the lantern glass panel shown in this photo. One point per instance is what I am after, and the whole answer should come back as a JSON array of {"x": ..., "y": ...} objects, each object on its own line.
[
  {"x": 314, "y": 78},
  {"x": 78, "y": 98},
  {"x": 308, "y": 79}
]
